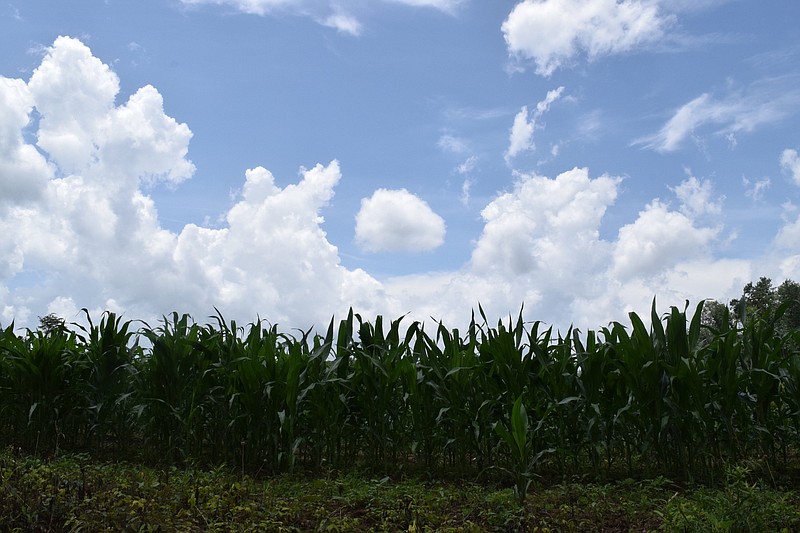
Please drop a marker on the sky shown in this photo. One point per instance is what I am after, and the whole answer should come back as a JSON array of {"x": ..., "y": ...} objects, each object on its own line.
[{"x": 287, "y": 160}]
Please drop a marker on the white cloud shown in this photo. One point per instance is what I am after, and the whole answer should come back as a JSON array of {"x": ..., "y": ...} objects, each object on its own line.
[
  {"x": 541, "y": 245},
  {"x": 466, "y": 187},
  {"x": 553, "y": 33},
  {"x": 22, "y": 168},
  {"x": 790, "y": 162},
  {"x": 448, "y": 6},
  {"x": 451, "y": 143},
  {"x": 344, "y": 23},
  {"x": 329, "y": 13},
  {"x": 540, "y": 227},
  {"x": 84, "y": 227},
  {"x": 520, "y": 138},
  {"x": 468, "y": 165},
  {"x": 253, "y": 7},
  {"x": 756, "y": 192},
  {"x": 789, "y": 236},
  {"x": 398, "y": 221},
  {"x": 657, "y": 241},
  {"x": 695, "y": 196},
  {"x": 740, "y": 112},
  {"x": 81, "y": 231}
]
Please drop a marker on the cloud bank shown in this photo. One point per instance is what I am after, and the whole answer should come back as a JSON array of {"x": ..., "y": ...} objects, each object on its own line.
[{"x": 78, "y": 229}]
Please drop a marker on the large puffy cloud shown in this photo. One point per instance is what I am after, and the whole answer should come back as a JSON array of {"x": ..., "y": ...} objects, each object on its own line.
[
  {"x": 22, "y": 168},
  {"x": 398, "y": 221},
  {"x": 541, "y": 247},
  {"x": 657, "y": 241},
  {"x": 80, "y": 231},
  {"x": 544, "y": 224},
  {"x": 553, "y": 33}
]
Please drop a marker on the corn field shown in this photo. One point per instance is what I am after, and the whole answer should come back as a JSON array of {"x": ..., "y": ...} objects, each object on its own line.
[{"x": 676, "y": 398}]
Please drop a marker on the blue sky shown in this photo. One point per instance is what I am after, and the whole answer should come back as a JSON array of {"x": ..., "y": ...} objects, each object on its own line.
[{"x": 289, "y": 159}]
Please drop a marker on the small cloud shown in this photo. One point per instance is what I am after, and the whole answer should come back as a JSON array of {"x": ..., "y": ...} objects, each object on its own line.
[
  {"x": 755, "y": 191},
  {"x": 343, "y": 23},
  {"x": 521, "y": 136},
  {"x": 448, "y": 6},
  {"x": 398, "y": 221},
  {"x": 467, "y": 166},
  {"x": 695, "y": 198},
  {"x": 790, "y": 162},
  {"x": 453, "y": 144},
  {"x": 465, "y": 190}
]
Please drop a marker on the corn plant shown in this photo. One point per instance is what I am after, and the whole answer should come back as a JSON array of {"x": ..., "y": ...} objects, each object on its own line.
[
  {"x": 516, "y": 435},
  {"x": 675, "y": 397}
]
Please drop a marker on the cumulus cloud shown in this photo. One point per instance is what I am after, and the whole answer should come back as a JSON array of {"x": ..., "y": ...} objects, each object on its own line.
[
  {"x": 521, "y": 136},
  {"x": 398, "y": 221},
  {"x": 78, "y": 229},
  {"x": 696, "y": 198},
  {"x": 553, "y": 33},
  {"x": 541, "y": 246},
  {"x": 790, "y": 162},
  {"x": 763, "y": 103},
  {"x": 83, "y": 221},
  {"x": 540, "y": 228},
  {"x": 23, "y": 169},
  {"x": 657, "y": 241}
]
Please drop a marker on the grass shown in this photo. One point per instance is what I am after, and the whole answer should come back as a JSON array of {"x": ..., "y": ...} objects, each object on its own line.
[{"x": 77, "y": 493}]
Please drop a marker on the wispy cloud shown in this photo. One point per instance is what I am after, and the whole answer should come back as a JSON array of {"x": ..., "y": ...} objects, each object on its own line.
[
  {"x": 453, "y": 144},
  {"x": 448, "y": 6},
  {"x": 755, "y": 190},
  {"x": 329, "y": 13},
  {"x": 764, "y": 102}
]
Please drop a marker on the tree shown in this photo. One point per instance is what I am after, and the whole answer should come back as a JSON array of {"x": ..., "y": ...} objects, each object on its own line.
[
  {"x": 789, "y": 291},
  {"x": 51, "y": 323},
  {"x": 715, "y": 314},
  {"x": 760, "y": 301}
]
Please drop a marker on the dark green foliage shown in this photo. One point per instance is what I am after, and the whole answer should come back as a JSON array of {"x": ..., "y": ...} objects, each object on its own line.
[{"x": 677, "y": 396}]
